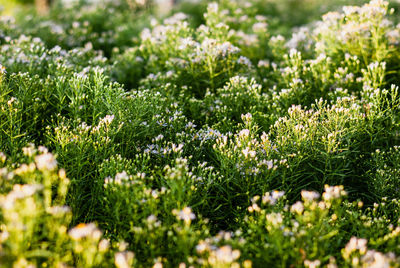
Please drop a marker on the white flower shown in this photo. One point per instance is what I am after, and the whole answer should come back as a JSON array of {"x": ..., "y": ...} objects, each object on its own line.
[
  {"x": 260, "y": 27},
  {"x": 83, "y": 230},
  {"x": 158, "y": 265},
  {"x": 244, "y": 133},
  {"x": 120, "y": 177},
  {"x": 309, "y": 195},
  {"x": 202, "y": 247},
  {"x": 46, "y": 162},
  {"x": 273, "y": 197},
  {"x": 297, "y": 207},
  {"x": 151, "y": 219},
  {"x": 123, "y": 259},
  {"x": 104, "y": 245},
  {"x": 19, "y": 192},
  {"x": 225, "y": 254},
  {"x": 312, "y": 264},
  {"x": 30, "y": 150},
  {"x": 58, "y": 210},
  {"x": 263, "y": 64},
  {"x": 333, "y": 192},
  {"x": 177, "y": 148},
  {"x": 186, "y": 215},
  {"x": 247, "y": 117},
  {"x": 375, "y": 259},
  {"x": 277, "y": 194},
  {"x": 2, "y": 70},
  {"x": 275, "y": 219},
  {"x": 175, "y": 19},
  {"x": 107, "y": 120},
  {"x": 356, "y": 244},
  {"x": 212, "y": 8},
  {"x": 244, "y": 61}
]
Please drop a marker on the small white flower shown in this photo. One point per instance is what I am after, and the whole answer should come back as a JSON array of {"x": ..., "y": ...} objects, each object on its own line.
[
  {"x": 83, "y": 230},
  {"x": 58, "y": 210},
  {"x": 297, "y": 207},
  {"x": 46, "y": 162},
  {"x": 158, "y": 265},
  {"x": 312, "y": 264},
  {"x": 107, "y": 120},
  {"x": 355, "y": 244},
  {"x": 333, "y": 192},
  {"x": 2, "y": 70},
  {"x": 225, "y": 254},
  {"x": 309, "y": 195},
  {"x": 186, "y": 215},
  {"x": 244, "y": 133},
  {"x": 123, "y": 259},
  {"x": 260, "y": 27},
  {"x": 244, "y": 61},
  {"x": 104, "y": 245}
]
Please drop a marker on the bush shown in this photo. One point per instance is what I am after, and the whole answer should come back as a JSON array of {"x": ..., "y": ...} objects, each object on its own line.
[{"x": 224, "y": 137}]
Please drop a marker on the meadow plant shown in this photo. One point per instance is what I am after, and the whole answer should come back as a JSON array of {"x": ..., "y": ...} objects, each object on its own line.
[{"x": 216, "y": 135}]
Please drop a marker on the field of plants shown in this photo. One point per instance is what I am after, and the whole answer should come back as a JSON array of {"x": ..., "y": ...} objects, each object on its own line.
[{"x": 258, "y": 133}]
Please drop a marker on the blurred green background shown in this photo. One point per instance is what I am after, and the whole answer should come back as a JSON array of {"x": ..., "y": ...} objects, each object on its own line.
[{"x": 12, "y": 6}]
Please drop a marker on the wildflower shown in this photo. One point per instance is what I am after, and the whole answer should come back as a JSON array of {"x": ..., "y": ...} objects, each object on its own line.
[
  {"x": 46, "y": 162},
  {"x": 333, "y": 192},
  {"x": 244, "y": 61},
  {"x": 212, "y": 8},
  {"x": 355, "y": 244},
  {"x": 275, "y": 219},
  {"x": 376, "y": 259},
  {"x": 349, "y": 10},
  {"x": 4, "y": 236},
  {"x": 158, "y": 265},
  {"x": 277, "y": 194},
  {"x": 104, "y": 245},
  {"x": 151, "y": 219},
  {"x": 247, "y": 117},
  {"x": 246, "y": 152},
  {"x": 2, "y": 70},
  {"x": 253, "y": 208},
  {"x": 263, "y": 64},
  {"x": 120, "y": 177},
  {"x": 190, "y": 125},
  {"x": 186, "y": 215},
  {"x": 124, "y": 259},
  {"x": 84, "y": 230},
  {"x": 244, "y": 133},
  {"x": 3, "y": 157},
  {"x": 107, "y": 120},
  {"x": 272, "y": 198},
  {"x": 269, "y": 164},
  {"x": 260, "y": 27},
  {"x": 202, "y": 247},
  {"x": 19, "y": 192},
  {"x": 309, "y": 195},
  {"x": 11, "y": 101},
  {"x": 58, "y": 210},
  {"x": 177, "y": 148},
  {"x": 297, "y": 207},
  {"x": 312, "y": 264},
  {"x": 225, "y": 254}
]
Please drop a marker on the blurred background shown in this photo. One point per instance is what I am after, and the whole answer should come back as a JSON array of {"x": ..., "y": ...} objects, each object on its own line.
[
  {"x": 316, "y": 7},
  {"x": 112, "y": 26}
]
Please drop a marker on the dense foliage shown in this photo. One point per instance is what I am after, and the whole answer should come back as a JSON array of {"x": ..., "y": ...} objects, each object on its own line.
[{"x": 222, "y": 134}]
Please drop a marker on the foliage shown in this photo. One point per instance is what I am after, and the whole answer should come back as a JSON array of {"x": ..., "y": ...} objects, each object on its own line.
[{"x": 223, "y": 134}]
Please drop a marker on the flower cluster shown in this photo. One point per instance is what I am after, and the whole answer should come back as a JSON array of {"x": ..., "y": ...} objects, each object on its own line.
[{"x": 213, "y": 134}]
